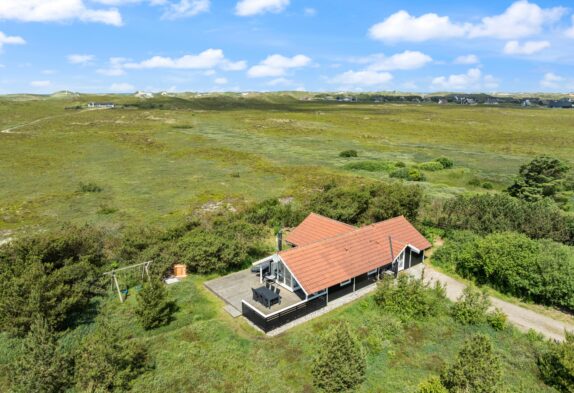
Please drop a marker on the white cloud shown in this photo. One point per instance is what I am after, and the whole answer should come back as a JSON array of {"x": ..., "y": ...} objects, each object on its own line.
[
  {"x": 309, "y": 11},
  {"x": 407, "y": 60},
  {"x": 254, "y": 7},
  {"x": 281, "y": 82},
  {"x": 57, "y": 11},
  {"x": 277, "y": 65},
  {"x": 570, "y": 31},
  {"x": 527, "y": 48},
  {"x": 552, "y": 80},
  {"x": 80, "y": 59},
  {"x": 40, "y": 83},
  {"x": 115, "y": 67},
  {"x": 362, "y": 78},
  {"x": 122, "y": 88},
  {"x": 186, "y": 8},
  {"x": 473, "y": 79},
  {"x": 521, "y": 19},
  {"x": 220, "y": 81},
  {"x": 402, "y": 26},
  {"x": 468, "y": 59},
  {"x": 208, "y": 59},
  {"x": 10, "y": 40}
]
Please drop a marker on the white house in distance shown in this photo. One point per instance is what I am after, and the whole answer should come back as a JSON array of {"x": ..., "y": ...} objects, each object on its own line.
[{"x": 101, "y": 105}]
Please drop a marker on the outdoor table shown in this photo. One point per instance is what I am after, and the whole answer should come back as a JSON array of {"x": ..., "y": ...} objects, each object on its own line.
[{"x": 267, "y": 296}]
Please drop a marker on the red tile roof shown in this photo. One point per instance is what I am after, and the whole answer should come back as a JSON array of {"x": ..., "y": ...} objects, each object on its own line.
[
  {"x": 330, "y": 261},
  {"x": 316, "y": 227}
]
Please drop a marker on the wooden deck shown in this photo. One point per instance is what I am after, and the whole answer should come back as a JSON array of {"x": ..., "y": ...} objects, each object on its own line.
[{"x": 236, "y": 287}]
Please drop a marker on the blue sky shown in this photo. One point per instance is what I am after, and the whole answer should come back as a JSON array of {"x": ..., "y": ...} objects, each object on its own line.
[{"x": 267, "y": 45}]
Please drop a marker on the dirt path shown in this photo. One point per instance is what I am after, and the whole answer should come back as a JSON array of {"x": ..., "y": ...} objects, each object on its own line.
[
  {"x": 10, "y": 130},
  {"x": 521, "y": 317}
]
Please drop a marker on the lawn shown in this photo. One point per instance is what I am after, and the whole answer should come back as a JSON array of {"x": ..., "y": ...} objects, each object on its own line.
[
  {"x": 205, "y": 350},
  {"x": 157, "y": 165}
]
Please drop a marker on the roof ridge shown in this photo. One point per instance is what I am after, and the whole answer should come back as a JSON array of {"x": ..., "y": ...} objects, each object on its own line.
[{"x": 331, "y": 219}]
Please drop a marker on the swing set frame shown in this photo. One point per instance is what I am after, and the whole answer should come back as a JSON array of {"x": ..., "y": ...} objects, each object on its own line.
[{"x": 112, "y": 273}]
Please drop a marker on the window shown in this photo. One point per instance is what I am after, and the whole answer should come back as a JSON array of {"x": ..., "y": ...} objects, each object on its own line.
[
  {"x": 345, "y": 283},
  {"x": 374, "y": 271}
]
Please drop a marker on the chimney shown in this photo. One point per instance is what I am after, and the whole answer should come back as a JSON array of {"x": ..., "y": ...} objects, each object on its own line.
[{"x": 280, "y": 240}]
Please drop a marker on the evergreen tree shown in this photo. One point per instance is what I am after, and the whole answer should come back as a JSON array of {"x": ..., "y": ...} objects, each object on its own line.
[
  {"x": 476, "y": 369},
  {"x": 431, "y": 385},
  {"x": 340, "y": 363},
  {"x": 42, "y": 368},
  {"x": 557, "y": 365},
  {"x": 542, "y": 177},
  {"x": 105, "y": 363},
  {"x": 153, "y": 308},
  {"x": 471, "y": 307}
]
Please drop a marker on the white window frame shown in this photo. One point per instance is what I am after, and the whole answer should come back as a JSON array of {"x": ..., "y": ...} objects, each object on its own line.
[{"x": 344, "y": 283}]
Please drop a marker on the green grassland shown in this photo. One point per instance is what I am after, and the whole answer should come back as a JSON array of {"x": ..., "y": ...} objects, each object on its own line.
[
  {"x": 158, "y": 162},
  {"x": 171, "y": 155}
]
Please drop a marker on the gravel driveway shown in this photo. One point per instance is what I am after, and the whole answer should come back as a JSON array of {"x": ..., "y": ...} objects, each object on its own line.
[{"x": 521, "y": 317}]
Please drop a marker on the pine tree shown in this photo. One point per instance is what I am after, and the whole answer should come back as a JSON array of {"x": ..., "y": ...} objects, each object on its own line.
[
  {"x": 42, "y": 368},
  {"x": 153, "y": 309},
  {"x": 340, "y": 363},
  {"x": 476, "y": 369},
  {"x": 105, "y": 362}
]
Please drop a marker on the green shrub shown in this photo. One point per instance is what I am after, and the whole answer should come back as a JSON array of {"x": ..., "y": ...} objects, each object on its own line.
[
  {"x": 42, "y": 368},
  {"x": 89, "y": 187},
  {"x": 340, "y": 364},
  {"x": 105, "y": 363},
  {"x": 471, "y": 307},
  {"x": 273, "y": 213},
  {"x": 475, "y": 181},
  {"x": 400, "y": 164},
  {"x": 52, "y": 274},
  {"x": 153, "y": 309},
  {"x": 370, "y": 166},
  {"x": 495, "y": 212},
  {"x": 411, "y": 174},
  {"x": 556, "y": 365},
  {"x": 445, "y": 162},
  {"x": 538, "y": 270},
  {"x": 543, "y": 177},
  {"x": 366, "y": 204},
  {"x": 431, "y": 166},
  {"x": 497, "y": 319},
  {"x": 487, "y": 186},
  {"x": 476, "y": 368},
  {"x": 431, "y": 385},
  {"x": 348, "y": 153},
  {"x": 410, "y": 298}
]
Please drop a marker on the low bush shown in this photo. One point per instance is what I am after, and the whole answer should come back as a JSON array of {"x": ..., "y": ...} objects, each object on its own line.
[
  {"x": 475, "y": 181},
  {"x": 495, "y": 212},
  {"x": 556, "y": 364},
  {"x": 410, "y": 298},
  {"x": 445, "y": 162},
  {"x": 471, "y": 307},
  {"x": 476, "y": 368},
  {"x": 89, "y": 187},
  {"x": 400, "y": 164},
  {"x": 366, "y": 204},
  {"x": 487, "y": 186},
  {"x": 410, "y": 174},
  {"x": 370, "y": 166},
  {"x": 538, "y": 270},
  {"x": 348, "y": 153},
  {"x": 497, "y": 319},
  {"x": 340, "y": 364},
  {"x": 431, "y": 385},
  {"x": 431, "y": 166}
]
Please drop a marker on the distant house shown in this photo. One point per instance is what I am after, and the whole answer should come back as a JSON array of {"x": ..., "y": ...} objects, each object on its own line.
[
  {"x": 328, "y": 259},
  {"x": 526, "y": 103},
  {"x": 563, "y": 104},
  {"x": 101, "y": 105},
  {"x": 442, "y": 101}
]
